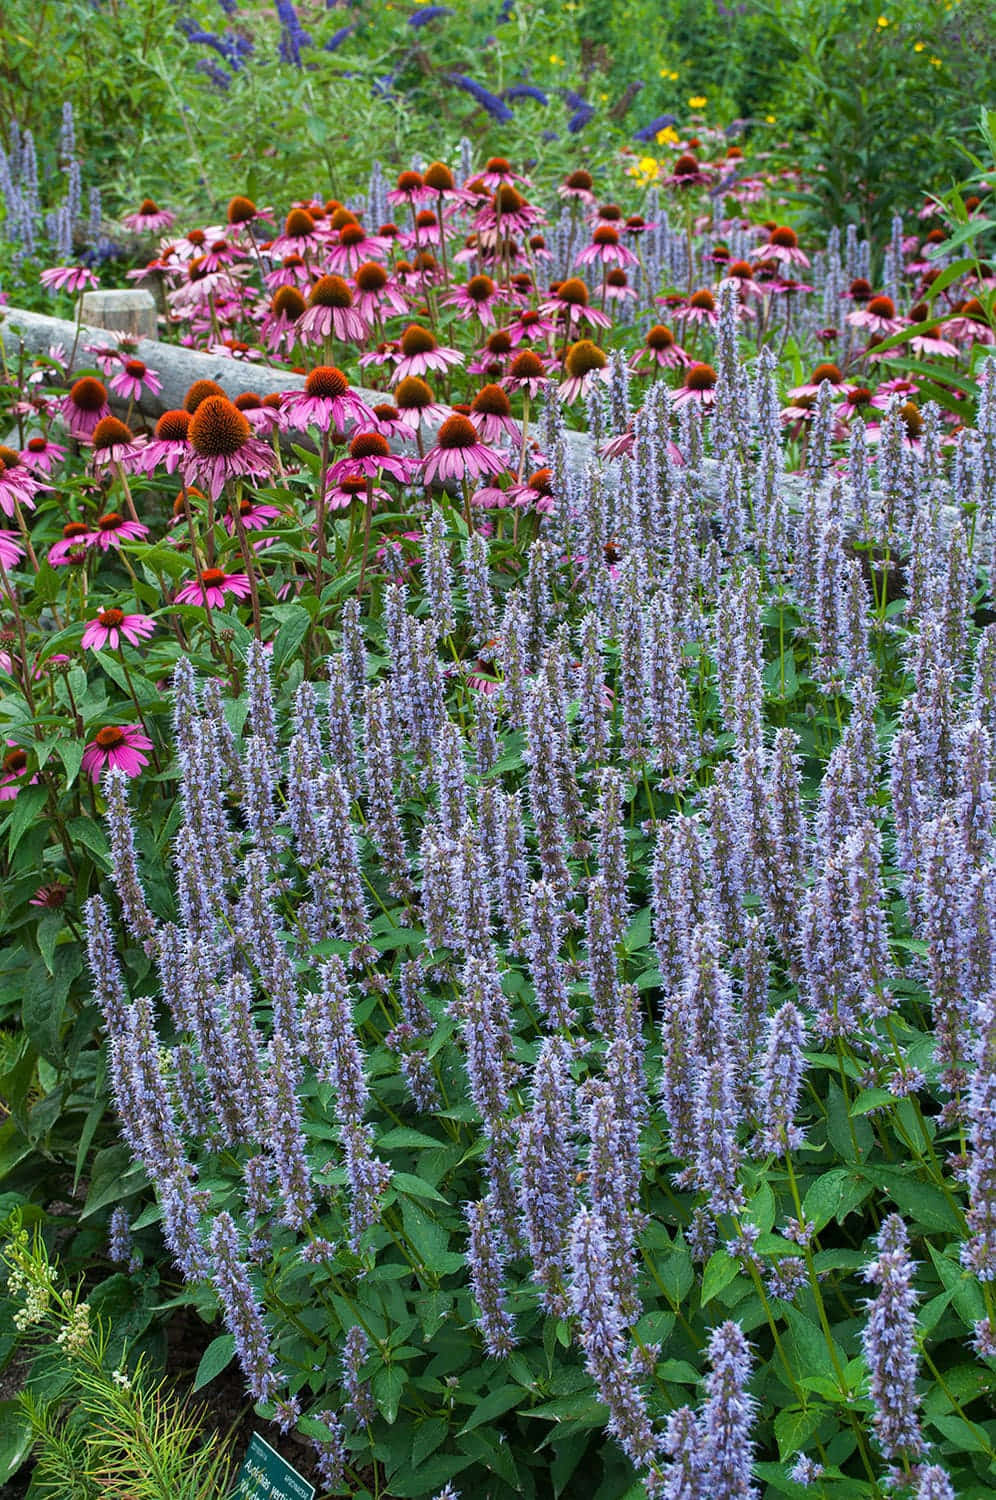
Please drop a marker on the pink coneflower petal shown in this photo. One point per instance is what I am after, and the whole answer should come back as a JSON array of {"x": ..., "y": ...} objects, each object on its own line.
[{"x": 118, "y": 746}]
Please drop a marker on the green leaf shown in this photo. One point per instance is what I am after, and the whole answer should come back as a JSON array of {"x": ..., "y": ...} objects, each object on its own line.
[
  {"x": 115, "y": 1176},
  {"x": 720, "y": 1270},
  {"x": 415, "y": 1187},
  {"x": 492, "y": 1406},
  {"x": 290, "y": 635},
  {"x": 923, "y": 1202},
  {"x": 71, "y": 754},
  {"x": 216, "y": 1357},
  {"x": 794, "y": 1427},
  {"x": 17, "y": 1440},
  {"x": 387, "y": 1386},
  {"x": 429, "y": 1435},
  {"x": 29, "y": 803}
]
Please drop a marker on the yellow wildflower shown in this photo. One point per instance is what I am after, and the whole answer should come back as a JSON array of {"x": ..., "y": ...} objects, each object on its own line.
[
  {"x": 667, "y": 137},
  {"x": 883, "y": 22},
  {"x": 555, "y": 61},
  {"x": 919, "y": 46},
  {"x": 698, "y": 101}
]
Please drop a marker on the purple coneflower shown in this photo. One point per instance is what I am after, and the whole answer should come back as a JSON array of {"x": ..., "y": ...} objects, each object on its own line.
[
  {"x": 68, "y": 279},
  {"x": 491, "y": 415},
  {"x": 605, "y": 249},
  {"x": 148, "y": 218},
  {"x": 111, "y": 626},
  {"x": 327, "y": 403},
  {"x": 530, "y": 326},
  {"x": 351, "y": 486},
  {"x": 169, "y": 445},
  {"x": 18, "y": 485},
  {"x": 11, "y": 551},
  {"x": 410, "y": 189},
  {"x": 498, "y": 171},
  {"x": 119, "y": 746},
  {"x": 222, "y": 447},
  {"x": 661, "y": 348},
  {"x": 371, "y": 456},
  {"x": 110, "y": 530},
  {"x": 782, "y": 245},
  {"x": 134, "y": 379},
  {"x": 585, "y": 363},
  {"x": 278, "y": 330},
  {"x": 84, "y": 407},
  {"x": 701, "y": 308},
  {"x": 330, "y": 312},
  {"x": 577, "y": 187},
  {"x": 475, "y": 297},
  {"x": 569, "y": 300},
  {"x": 527, "y": 373},
  {"x": 211, "y": 586},
  {"x": 114, "y": 443},
  {"x": 301, "y": 235},
  {"x": 878, "y": 316},
  {"x": 459, "y": 453},
  {"x": 72, "y": 546},
  {"x": 378, "y": 295},
  {"x": 254, "y": 516},
  {"x": 416, "y": 404},
  {"x": 42, "y": 454},
  {"x": 687, "y": 172},
  {"x": 700, "y": 386},
  {"x": 12, "y": 769},
  {"x": 421, "y": 352}
]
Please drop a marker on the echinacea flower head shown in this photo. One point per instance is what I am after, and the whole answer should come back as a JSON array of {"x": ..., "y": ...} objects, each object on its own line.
[
  {"x": 68, "y": 279},
  {"x": 223, "y": 448},
  {"x": 17, "y": 484},
  {"x": 73, "y": 545},
  {"x": 169, "y": 444},
  {"x": 342, "y": 491},
  {"x": 53, "y": 896},
  {"x": 662, "y": 348},
  {"x": 605, "y": 248},
  {"x": 491, "y": 415},
  {"x": 370, "y": 455},
  {"x": 11, "y": 550},
  {"x": 135, "y": 378},
  {"x": 330, "y": 313},
  {"x": 422, "y": 352},
  {"x": 241, "y": 210},
  {"x": 326, "y": 403},
  {"x": 701, "y": 308},
  {"x": 474, "y": 299},
  {"x": 585, "y": 363},
  {"x": 84, "y": 407},
  {"x": 111, "y": 626},
  {"x": 211, "y": 586},
  {"x": 570, "y": 299},
  {"x": 578, "y": 186},
  {"x": 148, "y": 218},
  {"x": 878, "y": 315},
  {"x": 782, "y": 245},
  {"x": 687, "y": 172},
  {"x": 114, "y": 443},
  {"x": 112, "y": 528},
  {"x": 699, "y": 386},
  {"x": 416, "y": 403},
  {"x": 459, "y": 453},
  {"x": 117, "y": 747},
  {"x": 410, "y": 189},
  {"x": 537, "y": 492},
  {"x": 527, "y": 372},
  {"x": 198, "y": 392},
  {"x": 12, "y": 772},
  {"x": 41, "y": 454}
]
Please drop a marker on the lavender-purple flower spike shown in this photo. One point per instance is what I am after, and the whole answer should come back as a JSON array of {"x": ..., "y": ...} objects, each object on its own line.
[
  {"x": 727, "y": 1416},
  {"x": 487, "y": 1278},
  {"x": 683, "y": 1439},
  {"x": 359, "y": 1401},
  {"x": 601, "y": 1333},
  {"x": 889, "y": 1344},
  {"x": 134, "y": 908},
  {"x": 978, "y": 1252},
  {"x": 547, "y": 1164},
  {"x": 286, "y": 1138},
  {"x": 543, "y": 940},
  {"x": 932, "y": 1483},
  {"x": 781, "y": 1080},
  {"x": 241, "y": 1310}
]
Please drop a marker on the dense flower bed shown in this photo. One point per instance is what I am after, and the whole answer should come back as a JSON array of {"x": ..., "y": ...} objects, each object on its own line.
[{"x": 539, "y": 920}]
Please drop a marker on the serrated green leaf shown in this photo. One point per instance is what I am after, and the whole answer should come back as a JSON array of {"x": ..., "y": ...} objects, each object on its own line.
[
  {"x": 216, "y": 1357},
  {"x": 720, "y": 1270}
]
